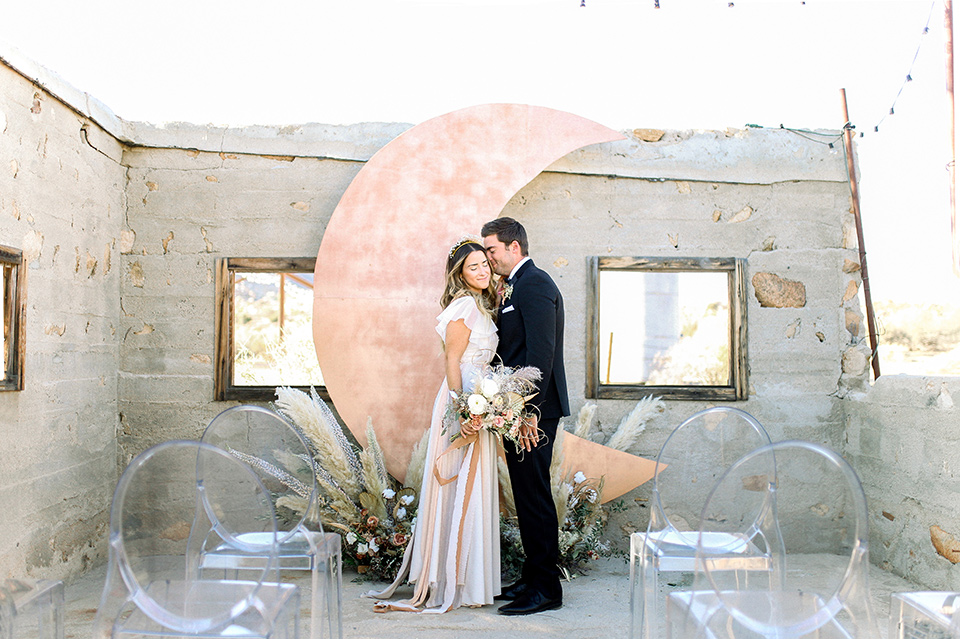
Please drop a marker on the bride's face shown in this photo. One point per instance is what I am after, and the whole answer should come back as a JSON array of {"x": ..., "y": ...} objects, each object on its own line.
[{"x": 476, "y": 271}]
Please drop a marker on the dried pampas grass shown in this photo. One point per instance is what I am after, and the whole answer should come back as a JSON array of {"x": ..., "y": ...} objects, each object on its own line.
[
  {"x": 631, "y": 426},
  {"x": 374, "y": 473},
  {"x": 321, "y": 428},
  {"x": 418, "y": 461},
  {"x": 585, "y": 420}
]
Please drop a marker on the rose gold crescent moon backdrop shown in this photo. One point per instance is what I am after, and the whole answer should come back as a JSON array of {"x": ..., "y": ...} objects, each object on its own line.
[{"x": 379, "y": 270}]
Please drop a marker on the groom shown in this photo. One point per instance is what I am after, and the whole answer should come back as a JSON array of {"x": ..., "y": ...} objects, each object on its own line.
[{"x": 530, "y": 323}]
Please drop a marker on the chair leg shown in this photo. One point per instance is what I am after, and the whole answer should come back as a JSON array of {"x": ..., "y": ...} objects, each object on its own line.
[
  {"x": 636, "y": 586},
  {"x": 653, "y": 602},
  {"x": 327, "y": 600}
]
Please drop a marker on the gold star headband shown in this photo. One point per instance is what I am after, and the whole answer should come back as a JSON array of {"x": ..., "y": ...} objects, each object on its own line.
[{"x": 465, "y": 239}]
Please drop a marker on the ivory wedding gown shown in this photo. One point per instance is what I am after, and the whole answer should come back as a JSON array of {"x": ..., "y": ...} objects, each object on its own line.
[{"x": 454, "y": 556}]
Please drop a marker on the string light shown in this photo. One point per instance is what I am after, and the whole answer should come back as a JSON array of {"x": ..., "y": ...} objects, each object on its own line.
[{"x": 909, "y": 77}]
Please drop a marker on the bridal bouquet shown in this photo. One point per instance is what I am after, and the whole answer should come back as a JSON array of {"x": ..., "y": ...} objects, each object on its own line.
[{"x": 497, "y": 403}]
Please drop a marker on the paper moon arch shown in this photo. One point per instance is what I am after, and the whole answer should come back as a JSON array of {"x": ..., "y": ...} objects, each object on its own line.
[{"x": 379, "y": 271}]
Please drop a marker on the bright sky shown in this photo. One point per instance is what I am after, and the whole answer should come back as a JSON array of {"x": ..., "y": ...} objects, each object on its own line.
[{"x": 692, "y": 64}]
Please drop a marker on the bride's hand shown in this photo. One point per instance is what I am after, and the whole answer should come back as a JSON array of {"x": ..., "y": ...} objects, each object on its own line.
[
  {"x": 467, "y": 428},
  {"x": 529, "y": 437}
]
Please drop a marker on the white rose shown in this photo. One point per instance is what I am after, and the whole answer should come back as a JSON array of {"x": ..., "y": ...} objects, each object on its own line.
[
  {"x": 477, "y": 404},
  {"x": 362, "y": 549},
  {"x": 388, "y": 494},
  {"x": 351, "y": 538},
  {"x": 579, "y": 477},
  {"x": 489, "y": 388},
  {"x": 374, "y": 547},
  {"x": 406, "y": 500},
  {"x": 401, "y": 512}
]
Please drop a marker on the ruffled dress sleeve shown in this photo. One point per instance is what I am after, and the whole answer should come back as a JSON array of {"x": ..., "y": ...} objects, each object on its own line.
[{"x": 465, "y": 308}]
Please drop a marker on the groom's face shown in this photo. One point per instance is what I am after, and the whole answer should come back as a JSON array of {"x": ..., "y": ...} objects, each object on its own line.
[{"x": 502, "y": 257}]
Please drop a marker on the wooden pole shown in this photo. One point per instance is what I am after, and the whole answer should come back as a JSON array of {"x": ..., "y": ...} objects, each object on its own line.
[
  {"x": 954, "y": 237},
  {"x": 855, "y": 197},
  {"x": 609, "y": 357},
  {"x": 283, "y": 300}
]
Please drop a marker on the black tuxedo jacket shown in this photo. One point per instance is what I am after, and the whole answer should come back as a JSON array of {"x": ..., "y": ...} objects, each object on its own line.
[{"x": 530, "y": 326}]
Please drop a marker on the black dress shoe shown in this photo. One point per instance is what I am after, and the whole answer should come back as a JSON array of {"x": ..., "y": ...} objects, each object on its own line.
[
  {"x": 511, "y": 592},
  {"x": 529, "y": 603}
]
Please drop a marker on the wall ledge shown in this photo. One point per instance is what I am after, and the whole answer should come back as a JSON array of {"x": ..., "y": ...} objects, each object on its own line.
[{"x": 742, "y": 156}]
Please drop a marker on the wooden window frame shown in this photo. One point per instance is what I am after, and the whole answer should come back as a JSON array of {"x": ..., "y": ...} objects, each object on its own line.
[
  {"x": 735, "y": 268},
  {"x": 14, "y": 318},
  {"x": 223, "y": 387}
]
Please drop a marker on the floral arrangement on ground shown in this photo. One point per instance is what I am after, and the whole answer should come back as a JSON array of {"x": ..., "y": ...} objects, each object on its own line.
[
  {"x": 375, "y": 514},
  {"x": 370, "y": 509},
  {"x": 581, "y": 532},
  {"x": 578, "y": 499}
]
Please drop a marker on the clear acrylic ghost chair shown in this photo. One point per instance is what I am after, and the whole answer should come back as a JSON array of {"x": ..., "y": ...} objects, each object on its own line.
[
  {"x": 690, "y": 461},
  {"x": 282, "y": 459},
  {"x": 924, "y": 615},
  {"x": 31, "y": 609},
  {"x": 816, "y": 526},
  {"x": 171, "y": 500}
]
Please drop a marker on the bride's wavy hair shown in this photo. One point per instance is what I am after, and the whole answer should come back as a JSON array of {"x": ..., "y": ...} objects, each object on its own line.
[{"x": 455, "y": 286}]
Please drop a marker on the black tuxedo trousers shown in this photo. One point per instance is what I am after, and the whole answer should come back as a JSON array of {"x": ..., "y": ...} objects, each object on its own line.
[
  {"x": 530, "y": 326},
  {"x": 536, "y": 512}
]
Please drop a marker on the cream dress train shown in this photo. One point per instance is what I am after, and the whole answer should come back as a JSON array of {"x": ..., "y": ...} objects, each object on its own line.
[{"x": 454, "y": 557}]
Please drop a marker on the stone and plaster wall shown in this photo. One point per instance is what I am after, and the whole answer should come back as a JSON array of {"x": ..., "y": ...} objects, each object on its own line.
[
  {"x": 187, "y": 208},
  {"x": 133, "y": 216},
  {"x": 774, "y": 198},
  {"x": 903, "y": 437},
  {"x": 62, "y": 203}
]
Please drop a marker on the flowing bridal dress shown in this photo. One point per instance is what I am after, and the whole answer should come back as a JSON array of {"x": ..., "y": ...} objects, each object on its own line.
[{"x": 454, "y": 557}]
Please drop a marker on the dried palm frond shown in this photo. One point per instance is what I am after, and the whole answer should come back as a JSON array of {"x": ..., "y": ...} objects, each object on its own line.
[
  {"x": 321, "y": 428},
  {"x": 635, "y": 423},
  {"x": 585, "y": 420},
  {"x": 418, "y": 460}
]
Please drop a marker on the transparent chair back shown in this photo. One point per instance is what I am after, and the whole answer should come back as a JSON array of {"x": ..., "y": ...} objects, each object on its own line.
[
  {"x": 815, "y": 525},
  {"x": 690, "y": 461},
  {"x": 31, "y": 609},
  {"x": 924, "y": 615},
  {"x": 281, "y": 457},
  {"x": 173, "y": 502}
]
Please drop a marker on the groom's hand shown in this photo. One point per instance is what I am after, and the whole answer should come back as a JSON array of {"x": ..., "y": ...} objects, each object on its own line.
[{"x": 528, "y": 434}]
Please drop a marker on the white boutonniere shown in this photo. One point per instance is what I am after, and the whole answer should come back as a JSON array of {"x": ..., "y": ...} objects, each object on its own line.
[{"x": 507, "y": 291}]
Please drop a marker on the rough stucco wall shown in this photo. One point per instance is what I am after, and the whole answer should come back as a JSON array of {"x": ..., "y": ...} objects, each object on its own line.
[
  {"x": 903, "y": 438},
  {"x": 62, "y": 203},
  {"x": 187, "y": 208}
]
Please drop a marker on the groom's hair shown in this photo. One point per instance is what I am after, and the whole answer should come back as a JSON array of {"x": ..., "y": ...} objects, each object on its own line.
[{"x": 507, "y": 231}]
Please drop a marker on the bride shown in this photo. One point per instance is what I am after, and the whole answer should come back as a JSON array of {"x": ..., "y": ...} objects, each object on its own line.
[{"x": 454, "y": 557}]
